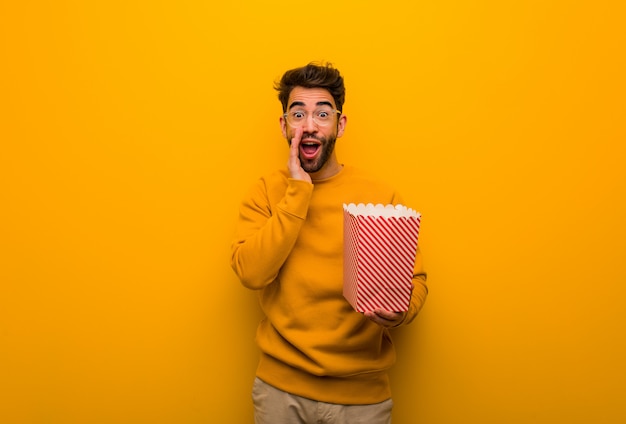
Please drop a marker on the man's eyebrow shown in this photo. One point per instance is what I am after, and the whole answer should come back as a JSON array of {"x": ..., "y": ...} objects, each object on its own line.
[
  {"x": 324, "y": 103},
  {"x": 294, "y": 104},
  {"x": 320, "y": 103}
]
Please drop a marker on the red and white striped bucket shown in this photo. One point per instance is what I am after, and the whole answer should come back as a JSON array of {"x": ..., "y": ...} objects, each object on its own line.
[{"x": 380, "y": 244}]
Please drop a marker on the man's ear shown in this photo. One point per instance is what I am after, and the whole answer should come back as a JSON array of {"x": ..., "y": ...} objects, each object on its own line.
[
  {"x": 341, "y": 125},
  {"x": 283, "y": 126}
]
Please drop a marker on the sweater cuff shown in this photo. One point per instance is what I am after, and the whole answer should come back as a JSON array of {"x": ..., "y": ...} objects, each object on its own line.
[{"x": 297, "y": 198}]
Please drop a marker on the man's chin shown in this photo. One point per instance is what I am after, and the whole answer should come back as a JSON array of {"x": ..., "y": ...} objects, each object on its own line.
[
  {"x": 311, "y": 169},
  {"x": 310, "y": 165}
]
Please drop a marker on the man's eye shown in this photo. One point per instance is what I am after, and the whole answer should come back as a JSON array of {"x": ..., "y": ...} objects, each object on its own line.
[
  {"x": 298, "y": 115},
  {"x": 323, "y": 114}
]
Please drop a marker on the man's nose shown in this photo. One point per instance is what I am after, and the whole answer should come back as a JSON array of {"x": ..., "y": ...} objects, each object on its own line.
[{"x": 309, "y": 126}]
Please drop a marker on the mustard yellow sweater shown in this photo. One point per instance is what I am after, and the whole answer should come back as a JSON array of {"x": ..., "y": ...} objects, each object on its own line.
[{"x": 289, "y": 247}]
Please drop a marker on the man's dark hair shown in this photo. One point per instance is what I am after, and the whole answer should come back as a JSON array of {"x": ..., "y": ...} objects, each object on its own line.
[{"x": 312, "y": 76}]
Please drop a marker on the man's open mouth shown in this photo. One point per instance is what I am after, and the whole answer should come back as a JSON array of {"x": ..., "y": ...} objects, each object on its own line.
[{"x": 309, "y": 149}]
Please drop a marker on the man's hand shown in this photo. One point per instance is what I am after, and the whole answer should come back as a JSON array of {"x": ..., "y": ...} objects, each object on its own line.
[
  {"x": 384, "y": 318},
  {"x": 294, "y": 165}
]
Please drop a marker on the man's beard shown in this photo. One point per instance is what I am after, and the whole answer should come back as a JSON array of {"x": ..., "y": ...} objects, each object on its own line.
[{"x": 326, "y": 149}]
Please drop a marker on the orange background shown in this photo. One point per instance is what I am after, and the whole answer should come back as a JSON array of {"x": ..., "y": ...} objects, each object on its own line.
[{"x": 131, "y": 130}]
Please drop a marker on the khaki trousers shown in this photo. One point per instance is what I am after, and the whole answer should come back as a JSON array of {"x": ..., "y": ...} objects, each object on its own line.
[{"x": 273, "y": 406}]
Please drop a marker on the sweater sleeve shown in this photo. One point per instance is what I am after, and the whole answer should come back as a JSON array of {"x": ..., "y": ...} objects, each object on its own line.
[{"x": 266, "y": 233}]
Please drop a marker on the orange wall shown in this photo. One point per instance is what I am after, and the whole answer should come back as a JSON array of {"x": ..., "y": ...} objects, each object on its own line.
[{"x": 130, "y": 131}]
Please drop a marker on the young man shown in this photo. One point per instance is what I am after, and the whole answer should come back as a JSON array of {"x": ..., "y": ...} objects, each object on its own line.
[{"x": 321, "y": 361}]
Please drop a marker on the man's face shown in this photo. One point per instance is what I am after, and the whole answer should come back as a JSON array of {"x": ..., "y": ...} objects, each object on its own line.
[{"x": 318, "y": 141}]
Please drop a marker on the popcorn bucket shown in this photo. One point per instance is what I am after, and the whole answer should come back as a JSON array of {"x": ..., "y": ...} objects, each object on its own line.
[{"x": 380, "y": 245}]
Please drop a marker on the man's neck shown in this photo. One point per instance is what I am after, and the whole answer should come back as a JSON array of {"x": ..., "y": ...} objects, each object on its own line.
[{"x": 330, "y": 169}]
